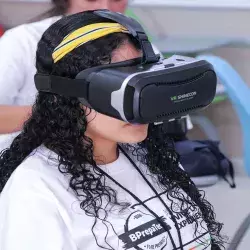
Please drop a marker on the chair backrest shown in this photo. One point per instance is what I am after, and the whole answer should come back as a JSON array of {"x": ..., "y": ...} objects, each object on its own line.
[
  {"x": 236, "y": 88},
  {"x": 239, "y": 94},
  {"x": 240, "y": 233}
]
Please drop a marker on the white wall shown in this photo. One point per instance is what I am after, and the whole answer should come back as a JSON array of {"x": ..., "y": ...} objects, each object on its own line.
[{"x": 14, "y": 12}]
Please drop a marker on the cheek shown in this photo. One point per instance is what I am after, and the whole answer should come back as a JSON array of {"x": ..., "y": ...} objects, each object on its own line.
[{"x": 101, "y": 126}]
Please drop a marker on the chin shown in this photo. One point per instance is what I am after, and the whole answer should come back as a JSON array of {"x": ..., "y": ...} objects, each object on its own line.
[
  {"x": 133, "y": 133},
  {"x": 136, "y": 138}
]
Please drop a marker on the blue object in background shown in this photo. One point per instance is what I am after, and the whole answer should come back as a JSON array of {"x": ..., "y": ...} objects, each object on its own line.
[{"x": 239, "y": 94}]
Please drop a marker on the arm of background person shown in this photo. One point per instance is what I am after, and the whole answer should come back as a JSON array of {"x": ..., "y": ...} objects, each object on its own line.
[
  {"x": 13, "y": 117},
  {"x": 12, "y": 76}
]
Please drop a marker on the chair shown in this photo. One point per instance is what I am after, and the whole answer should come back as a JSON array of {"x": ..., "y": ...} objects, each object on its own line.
[
  {"x": 240, "y": 233},
  {"x": 206, "y": 125},
  {"x": 239, "y": 94}
]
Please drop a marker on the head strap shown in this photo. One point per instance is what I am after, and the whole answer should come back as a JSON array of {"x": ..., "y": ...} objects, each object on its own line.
[{"x": 136, "y": 30}]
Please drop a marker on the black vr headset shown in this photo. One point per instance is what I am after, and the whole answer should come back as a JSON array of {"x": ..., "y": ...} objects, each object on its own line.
[{"x": 144, "y": 90}]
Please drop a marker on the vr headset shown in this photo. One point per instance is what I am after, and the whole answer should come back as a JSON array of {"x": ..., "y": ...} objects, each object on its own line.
[{"x": 140, "y": 91}]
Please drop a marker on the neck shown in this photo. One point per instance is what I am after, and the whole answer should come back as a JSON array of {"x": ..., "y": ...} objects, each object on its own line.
[{"x": 105, "y": 151}]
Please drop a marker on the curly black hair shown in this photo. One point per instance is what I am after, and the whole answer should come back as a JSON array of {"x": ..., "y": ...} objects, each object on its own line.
[{"x": 59, "y": 123}]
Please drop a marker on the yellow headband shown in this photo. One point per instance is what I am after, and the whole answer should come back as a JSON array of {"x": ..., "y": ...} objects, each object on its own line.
[{"x": 84, "y": 35}]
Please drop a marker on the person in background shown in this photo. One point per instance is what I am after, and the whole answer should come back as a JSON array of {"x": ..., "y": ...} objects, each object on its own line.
[{"x": 17, "y": 61}]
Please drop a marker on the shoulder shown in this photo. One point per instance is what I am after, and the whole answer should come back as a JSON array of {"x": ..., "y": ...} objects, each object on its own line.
[
  {"x": 33, "y": 209},
  {"x": 37, "y": 174}
]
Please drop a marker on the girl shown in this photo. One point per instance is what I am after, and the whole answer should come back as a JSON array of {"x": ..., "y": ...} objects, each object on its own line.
[{"x": 78, "y": 179}]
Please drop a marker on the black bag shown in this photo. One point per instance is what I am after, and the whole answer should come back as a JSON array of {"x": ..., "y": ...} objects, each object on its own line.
[{"x": 204, "y": 159}]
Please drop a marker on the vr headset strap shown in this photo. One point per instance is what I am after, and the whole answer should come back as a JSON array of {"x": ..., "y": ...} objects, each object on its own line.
[
  {"x": 62, "y": 85},
  {"x": 136, "y": 30}
]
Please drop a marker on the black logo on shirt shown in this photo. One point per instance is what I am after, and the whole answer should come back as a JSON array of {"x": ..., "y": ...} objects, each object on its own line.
[{"x": 143, "y": 231}]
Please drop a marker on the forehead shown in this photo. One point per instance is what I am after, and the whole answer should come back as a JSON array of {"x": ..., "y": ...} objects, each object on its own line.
[{"x": 125, "y": 52}]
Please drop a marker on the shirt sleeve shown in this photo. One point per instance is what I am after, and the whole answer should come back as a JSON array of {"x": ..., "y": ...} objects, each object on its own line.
[
  {"x": 13, "y": 53},
  {"x": 31, "y": 219}
]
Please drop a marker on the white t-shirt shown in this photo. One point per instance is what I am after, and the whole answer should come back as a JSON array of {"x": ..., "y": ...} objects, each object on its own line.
[{"x": 39, "y": 211}]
